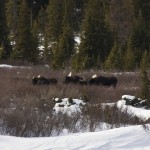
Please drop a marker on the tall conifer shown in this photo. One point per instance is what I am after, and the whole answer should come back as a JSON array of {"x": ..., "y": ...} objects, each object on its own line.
[
  {"x": 145, "y": 62},
  {"x": 145, "y": 81},
  {"x": 54, "y": 23},
  {"x": 96, "y": 38},
  {"x": 141, "y": 29},
  {"x": 64, "y": 50},
  {"x": 114, "y": 60},
  {"x": 53, "y": 28},
  {"x": 4, "y": 32},
  {"x": 129, "y": 58},
  {"x": 26, "y": 45}
]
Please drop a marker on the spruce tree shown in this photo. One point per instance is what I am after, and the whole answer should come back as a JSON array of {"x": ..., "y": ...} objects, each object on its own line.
[
  {"x": 96, "y": 38},
  {"x": 54, "y": 20},
  {"x": 60, "y": 31},
  {"x": 137, "y": 38},
  {"x": 35, "y": 54},
  {"x": 42, "y": 18},
  {"x": 1, "y": 51},
  {"x": 141, "y": 29},
  {"x": 145, "y": 62},
  {"x": 26, "y": 43},
  {"x": 43, "y": 40},
  {"x": 145, "y": 87},
  {"x": 12, "y": 15},
  {"x": 114, "y": 58},
  {"x": 120, "y": 17},
  {"x": 79, "y": 6},
  {"x": 4, "y": 33},
  {"x": 64, "y": 49},
  {"x": 129, "y": 57},
  {"x": 145, "y": 81},
  {"x": 53, "y": 29}
]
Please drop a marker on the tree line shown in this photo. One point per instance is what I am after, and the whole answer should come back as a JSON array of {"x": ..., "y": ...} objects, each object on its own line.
[{"x": 114, "y": 34}]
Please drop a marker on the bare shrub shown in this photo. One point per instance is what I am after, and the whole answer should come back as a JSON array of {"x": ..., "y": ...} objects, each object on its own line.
[
  {"x": 111, "y": 115},
  {"x": 27, "y": 110},
  {"x": 146, "y": 127}
]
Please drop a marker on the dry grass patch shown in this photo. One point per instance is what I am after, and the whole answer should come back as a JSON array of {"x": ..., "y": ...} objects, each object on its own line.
[{"x": 27, "y": 110}]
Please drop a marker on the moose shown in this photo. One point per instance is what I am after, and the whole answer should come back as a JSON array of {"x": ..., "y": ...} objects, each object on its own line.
[
  {"x": 72, "y": 79},
  {"x": 104, "y": 81},
  {"x": 40, "y": 80}
]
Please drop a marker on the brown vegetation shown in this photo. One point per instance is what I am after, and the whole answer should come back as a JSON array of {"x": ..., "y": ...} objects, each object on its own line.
[{"x": 27, "y": 110}]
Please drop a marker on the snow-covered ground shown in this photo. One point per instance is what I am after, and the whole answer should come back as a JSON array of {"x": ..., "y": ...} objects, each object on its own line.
[
  {"x": 125, "y": 138},
  {"x": 10, "y": 66},
  {"x": 141, "y": 113},
  {"x": 68, "y": 107}
]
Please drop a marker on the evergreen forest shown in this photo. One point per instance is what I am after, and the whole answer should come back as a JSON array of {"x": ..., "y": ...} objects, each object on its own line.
[{"x": 114, "y": 34}]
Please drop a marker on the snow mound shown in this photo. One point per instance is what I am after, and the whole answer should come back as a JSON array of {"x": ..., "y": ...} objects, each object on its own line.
[
  {"x": 5, "y": 66},
  {"x": 132, "y": 105},
  {"x": 68, "y": 105},
  {"x": 10, "y": 66},
  {"x": 125, "y": 138},
  {"x": 129, "y": 97}
]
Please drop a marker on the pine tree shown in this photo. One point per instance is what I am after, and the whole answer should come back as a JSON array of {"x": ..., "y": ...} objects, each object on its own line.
[
  {"x": 4, "y": 33},
  {"x": 12, "y": 15},
  {"x": 35, "y": 42},
  {"x": 114, "y": 58},
  {"x": 42, "y": 18},
  {"x": 76, "y": 62},
  {"x": 141, "y": 29},
  {"x": 26, "y": 43},
  {"x": 60, "y": 31},
  {"x": 137, "y": 38},
  {"x": 145, "y": 86},
  {"x": 120, "y": 18},
  {"x": 55, "y": 18},
  {"x": 129, "y": 58},
  {"x": 64, "y": 49},
  {"x": 145, "y": 81},
  {"x": 43, "y": 40},
  {"x": 2, "y": 51},
  {"x": 145, "y": 62},
  {"x": 78, "y": 13},
  {"x": 96, "y": 38},
  {"x": 53, "y": 29}
]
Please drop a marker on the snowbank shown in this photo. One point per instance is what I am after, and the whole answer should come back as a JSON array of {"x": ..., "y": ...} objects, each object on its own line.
[{"x": 125, "y": 138}]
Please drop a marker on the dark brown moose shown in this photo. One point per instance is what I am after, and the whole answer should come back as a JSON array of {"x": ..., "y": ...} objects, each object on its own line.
[{"x": 40, "y": 80}]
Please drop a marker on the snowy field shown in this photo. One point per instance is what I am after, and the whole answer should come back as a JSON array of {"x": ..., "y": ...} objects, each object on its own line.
[{"x": 124, "y": 138}]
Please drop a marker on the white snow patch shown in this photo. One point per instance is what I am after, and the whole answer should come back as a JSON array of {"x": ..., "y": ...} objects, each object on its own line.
[
  {"x": 141, "y": 113},
  {"x": 64, "y": 106},
  {"x": 130, "y": 97},
  {"x": 94, "y": 76},
  {"x": 77, "y": 39},
  {"x": 5, "y": 66},
  {"x": 10, "y": 66},
  {"x": 124, "y": 138}
]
